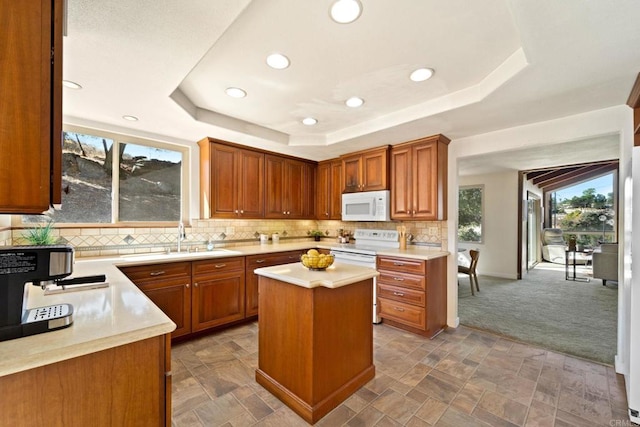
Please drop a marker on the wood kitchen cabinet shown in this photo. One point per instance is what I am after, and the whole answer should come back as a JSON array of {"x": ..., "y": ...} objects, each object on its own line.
[
  {"x": 30, "y": 105},
  {"x": 412, "y": 294},
  {"x": 231, "y": 181},
  {"x": 419, "y": 179},
  {"x": 169, "y": 287},
  {"x": 218, "y": 294},
  {"x": 257, "y": 261},
  {"x": 329, "y": 190},
  {"x": 128, "y": 385},
  {"x": 366, "y": 170},
  {"x": 289, "y": 188}
]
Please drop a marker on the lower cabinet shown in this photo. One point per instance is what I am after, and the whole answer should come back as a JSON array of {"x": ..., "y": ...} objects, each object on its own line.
[
  {"x": 412, "y": 294},
  {"x": 217, "y": 296},
  {"x": 169, "y": 287},
  {"x": 258, "y": 261}
]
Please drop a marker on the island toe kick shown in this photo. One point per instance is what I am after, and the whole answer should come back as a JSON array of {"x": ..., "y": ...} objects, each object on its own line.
[{"x": 315, "y": 344}]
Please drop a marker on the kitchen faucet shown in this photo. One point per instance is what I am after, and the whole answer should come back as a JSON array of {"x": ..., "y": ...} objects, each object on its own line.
[{"x": 181, "y": 234}]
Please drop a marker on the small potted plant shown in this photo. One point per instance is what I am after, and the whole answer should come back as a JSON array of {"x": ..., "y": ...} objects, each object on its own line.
[
  {"x": 40, "y": 235},
  {"x": 316, "y": 234}
]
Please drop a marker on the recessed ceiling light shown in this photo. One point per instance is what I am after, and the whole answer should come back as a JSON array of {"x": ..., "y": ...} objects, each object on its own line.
[
  {"x": 309, "y": 121},
  {"x": 236, "y": 92},
  {"x": 345, "y": 11},
  {"x": 71, "y": 85},
  {"x": 277, "y": 61},
  {"x": 354, "y": 102},
  {"x": 421, "y": 74},
  {"x": 130, "y": 118}
]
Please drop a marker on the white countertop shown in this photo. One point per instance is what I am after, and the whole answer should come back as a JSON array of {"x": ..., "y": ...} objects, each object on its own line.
[
  {"x": 335, "y": 276},
  {"x": 121, "y": 314},
  {"x": 103, "y": 318}
]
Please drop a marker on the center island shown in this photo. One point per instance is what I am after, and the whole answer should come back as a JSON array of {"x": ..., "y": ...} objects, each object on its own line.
[{"x": 315, "y": 338}]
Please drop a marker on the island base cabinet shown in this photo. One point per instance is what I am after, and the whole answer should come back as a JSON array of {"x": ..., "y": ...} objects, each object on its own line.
[
  {"x": 121, "y": 386},
  {"x": 315, "y": 344}
]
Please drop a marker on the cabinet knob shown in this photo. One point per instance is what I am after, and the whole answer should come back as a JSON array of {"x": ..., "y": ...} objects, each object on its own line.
[
  {"x": 195, "y": 285},
  {"x": 241, "y": 211},
  {"x": 186, "y": 286},
  {"x": 236, "y": 211},
  {"x": 326, "y": 213}
]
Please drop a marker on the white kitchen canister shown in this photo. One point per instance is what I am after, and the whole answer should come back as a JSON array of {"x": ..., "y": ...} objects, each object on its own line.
[{"x": 275, "y": 238}]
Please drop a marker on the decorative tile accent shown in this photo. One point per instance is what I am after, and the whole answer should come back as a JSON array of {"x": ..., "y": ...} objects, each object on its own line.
[{"x": 129, "y": 239}]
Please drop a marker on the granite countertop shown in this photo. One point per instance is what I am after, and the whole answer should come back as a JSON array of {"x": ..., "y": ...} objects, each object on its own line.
[{"x": 335, "y": 276}]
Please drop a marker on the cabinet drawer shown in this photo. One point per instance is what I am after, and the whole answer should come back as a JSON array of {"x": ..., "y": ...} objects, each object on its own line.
[
  {"x": 406, "y": 265},
  {"x": 407, "y": 296},
  {"x": 257, "y": 261},
  {"x": 410, "y": 315},
  {"x": 217, "y": 265},
  {"x": 402, "y": 279},
  {"x": 141, "y": 274}
]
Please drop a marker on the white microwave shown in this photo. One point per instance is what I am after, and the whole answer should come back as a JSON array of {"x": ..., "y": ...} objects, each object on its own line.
[{"x": 366, "y": 206}]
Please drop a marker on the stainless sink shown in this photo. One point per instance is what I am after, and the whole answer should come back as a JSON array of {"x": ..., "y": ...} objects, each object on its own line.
[{"x": 218, "y": 252}]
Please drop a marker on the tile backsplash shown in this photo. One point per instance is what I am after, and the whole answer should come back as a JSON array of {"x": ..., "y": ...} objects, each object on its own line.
[{"x": 127, "y": 240}]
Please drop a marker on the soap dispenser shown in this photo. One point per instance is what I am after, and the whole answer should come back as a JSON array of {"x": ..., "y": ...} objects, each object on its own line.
[{"x": 209, "y": 245}]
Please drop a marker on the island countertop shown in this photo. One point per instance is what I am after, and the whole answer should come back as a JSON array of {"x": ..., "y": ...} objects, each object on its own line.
[{"x": 335, "y": 276}]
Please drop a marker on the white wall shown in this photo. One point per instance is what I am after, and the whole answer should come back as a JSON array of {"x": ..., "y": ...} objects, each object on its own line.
[{"x": 500, "y": 227}]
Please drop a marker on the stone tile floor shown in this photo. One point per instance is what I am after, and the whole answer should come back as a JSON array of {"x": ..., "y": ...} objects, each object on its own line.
[{"x": 463, "y": 377}]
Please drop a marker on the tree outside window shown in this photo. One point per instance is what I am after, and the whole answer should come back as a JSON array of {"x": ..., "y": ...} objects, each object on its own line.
[
  {"x": 470, "y": 213},
  {"x": 146, "y": 184}
]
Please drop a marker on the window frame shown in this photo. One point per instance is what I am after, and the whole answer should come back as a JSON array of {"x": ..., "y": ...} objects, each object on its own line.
[
  {"x": 119, "y": 138},
  {"x": 482, "y": 213}
]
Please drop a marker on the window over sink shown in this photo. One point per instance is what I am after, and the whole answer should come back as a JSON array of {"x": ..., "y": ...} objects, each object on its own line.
[{"x": 110, "y": 179}]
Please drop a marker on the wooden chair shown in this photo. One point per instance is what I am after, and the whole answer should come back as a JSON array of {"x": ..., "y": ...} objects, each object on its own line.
[{"x": 471, "y": 270}]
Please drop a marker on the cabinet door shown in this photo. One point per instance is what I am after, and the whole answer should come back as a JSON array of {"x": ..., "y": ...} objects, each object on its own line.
[
  {"x": 251, "y": 184},
  {"x": 335, "y": 190},
  {"x": 374, "y": 170},
  {"x": 351, "y": 170},
  {"x": 401, "y": 190},
  {"x": 30, "y": 105},
  {"x": 295, "y": 184},
  {"x": 173, "y": 297},
  {"x": 224, "y": 181},
  {"x": 425, "y": 181},
  {"x": 274, "y": 187},
  {"x": 323, "y": 191},
  {"x": 217, "y": 299}
]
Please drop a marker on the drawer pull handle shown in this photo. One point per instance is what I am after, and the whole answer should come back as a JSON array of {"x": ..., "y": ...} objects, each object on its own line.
[
  {"x": 399, "y": 294},
  {"x": 220, "y": 265},
  {"x": 260, "y": 261},
  {"x": 399, "y": 263},
  {"x": 156, "y": 273},
  {"x": 398, "y": 309},
  {"x": 398, "y": 279}
]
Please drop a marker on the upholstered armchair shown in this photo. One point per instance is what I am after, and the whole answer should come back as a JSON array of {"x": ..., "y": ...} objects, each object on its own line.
[
  {"x": 605, "y": 262},
  {"x": 553, "y": 245}
]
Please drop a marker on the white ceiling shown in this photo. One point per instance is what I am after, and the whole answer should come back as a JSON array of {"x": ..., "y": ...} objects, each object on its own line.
[{"x": 498, "y": 64}]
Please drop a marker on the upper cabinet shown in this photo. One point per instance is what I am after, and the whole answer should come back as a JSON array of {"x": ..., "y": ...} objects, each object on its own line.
[
  {"x": 30, "y": 105},
  {"x": 366, "y": 170},
  {"x": 236, "y": 182},
  {"x": 289, "y": 188},
  {"x": 419, "y": 179},
  {"x": 329, "y": 190},
  {"x": 232, "y": 181}
]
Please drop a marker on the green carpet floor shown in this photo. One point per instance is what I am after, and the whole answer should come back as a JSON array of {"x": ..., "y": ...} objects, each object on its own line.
[{"x": 543, "y": 309}]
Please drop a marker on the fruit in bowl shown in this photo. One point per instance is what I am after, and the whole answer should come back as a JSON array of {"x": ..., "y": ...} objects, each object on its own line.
[{"x": 314, "y": 260}]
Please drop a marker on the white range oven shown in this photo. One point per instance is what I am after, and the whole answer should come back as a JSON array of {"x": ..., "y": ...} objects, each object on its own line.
[{"x": 364, "y": 251}]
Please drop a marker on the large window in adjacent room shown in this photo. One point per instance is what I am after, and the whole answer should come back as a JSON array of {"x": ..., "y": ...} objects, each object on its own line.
[
  {"x": 470, "y": 213},
  {"x": 109, "y": 178}
]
